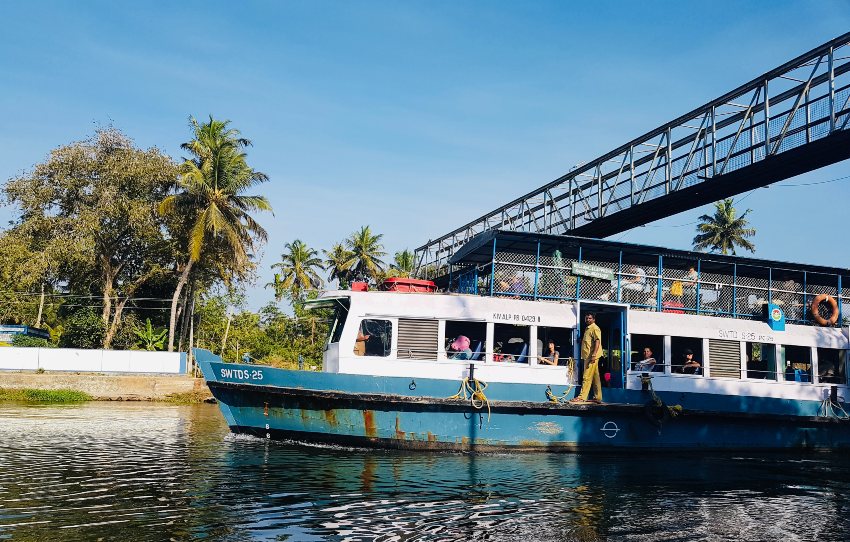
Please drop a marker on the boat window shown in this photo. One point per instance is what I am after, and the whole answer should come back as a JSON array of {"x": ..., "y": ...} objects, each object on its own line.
[
  {"x": 761, "y": 360},
  {"x": 466, "y": 340},
  {"x": 338, "y": 324},
  {"x": 510, "y": 343},
  {"x": 831, "y": 366},
  {"x": 797, "y": 361},
  {"x": 686, "y": 351},
  {"x": 646, "y": 348},
  {"x": 374, "y": 338},
  {"x": 563, "y": 338}
]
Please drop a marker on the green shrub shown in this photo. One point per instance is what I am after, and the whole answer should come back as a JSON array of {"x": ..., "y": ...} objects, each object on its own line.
[
  {"x": 31, "y": 342},
  {"x": 26, "y": 395},
  {"x": 125, "y": 338},
  {"x": 84, "y": 329}
]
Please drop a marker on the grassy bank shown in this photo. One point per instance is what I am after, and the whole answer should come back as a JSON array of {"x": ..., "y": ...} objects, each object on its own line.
[
  {"x": 28, "y": 395},
  {"x": 189, "y": 398}
]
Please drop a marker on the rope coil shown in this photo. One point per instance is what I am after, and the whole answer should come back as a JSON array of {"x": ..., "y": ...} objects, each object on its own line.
[
  {"x": 472, "y": 390},
  {"x": 564, "y": 398},
  {"x": 656, "y": 410}
]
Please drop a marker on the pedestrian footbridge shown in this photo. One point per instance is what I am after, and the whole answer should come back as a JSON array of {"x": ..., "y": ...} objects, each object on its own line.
[{"x": 788, "y": 121}]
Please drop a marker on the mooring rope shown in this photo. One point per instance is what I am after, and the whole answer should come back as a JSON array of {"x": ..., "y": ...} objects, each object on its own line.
[
  {"x": 828, "y": 410},
  {"x": 565, "y": 396},
  {"x": 472, "y": 390},
  {"x": 674, "y": 410}
]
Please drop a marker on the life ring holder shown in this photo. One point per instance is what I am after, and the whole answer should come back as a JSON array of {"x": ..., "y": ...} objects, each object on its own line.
[{"x": 833, "y": 310}]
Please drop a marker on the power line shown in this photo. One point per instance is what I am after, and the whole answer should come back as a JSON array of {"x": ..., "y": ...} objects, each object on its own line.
[{"x": 814, "y": 183}]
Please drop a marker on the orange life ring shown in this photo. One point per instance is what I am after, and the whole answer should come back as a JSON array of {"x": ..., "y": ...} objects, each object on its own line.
[{"x": 833, "y": 310}]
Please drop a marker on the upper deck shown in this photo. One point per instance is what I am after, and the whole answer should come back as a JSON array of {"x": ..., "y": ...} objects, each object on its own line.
[{"x": 556, "y": 267}]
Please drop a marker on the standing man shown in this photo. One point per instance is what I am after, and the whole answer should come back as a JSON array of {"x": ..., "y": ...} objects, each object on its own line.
[{"x": 591, "y": 351}]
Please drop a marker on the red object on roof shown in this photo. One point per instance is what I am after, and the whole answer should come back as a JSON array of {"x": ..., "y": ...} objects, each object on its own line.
[
  {"x": 359, "y": 286},
  {"x": 673, "y": 306},
  {"x": 399, "y": 284}
]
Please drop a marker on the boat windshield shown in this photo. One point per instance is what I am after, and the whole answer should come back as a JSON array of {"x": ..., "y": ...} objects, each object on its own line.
[
  {"x": 339, "y": 306},
  {"x": 338, "y": 324}
]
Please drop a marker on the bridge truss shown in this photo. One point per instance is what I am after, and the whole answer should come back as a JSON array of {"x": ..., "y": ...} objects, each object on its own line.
[{"x": 792, "y": 119}]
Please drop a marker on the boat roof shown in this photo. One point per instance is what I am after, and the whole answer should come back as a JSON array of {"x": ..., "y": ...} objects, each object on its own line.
[{"x": 479, "y": 250}]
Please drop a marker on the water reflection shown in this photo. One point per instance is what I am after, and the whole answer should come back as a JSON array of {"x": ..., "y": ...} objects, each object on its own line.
[{"x": 116, "y": 471}]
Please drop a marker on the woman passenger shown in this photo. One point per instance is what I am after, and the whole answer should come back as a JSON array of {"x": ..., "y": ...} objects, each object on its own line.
[
  {"x": 459, "y": 349},
  {"x": 552, "y": 357}
]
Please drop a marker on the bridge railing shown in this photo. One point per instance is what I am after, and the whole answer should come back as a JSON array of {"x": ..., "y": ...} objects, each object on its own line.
[{"x": 794, "y": 105}]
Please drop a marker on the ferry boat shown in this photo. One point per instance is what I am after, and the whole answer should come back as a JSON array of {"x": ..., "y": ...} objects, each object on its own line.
[{"x": 467, "y": 368}]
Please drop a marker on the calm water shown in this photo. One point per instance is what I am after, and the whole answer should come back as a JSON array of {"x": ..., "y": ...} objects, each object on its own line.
[{"x": 118, "y": 471}]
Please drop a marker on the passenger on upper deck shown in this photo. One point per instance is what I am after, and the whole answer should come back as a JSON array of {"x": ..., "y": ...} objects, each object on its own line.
[
  {"x": 459, "y": 349},
  {"x": 552, "y": 357},
  {"x": 648, "y": 362},
  {"x": 634, "y": 285}
]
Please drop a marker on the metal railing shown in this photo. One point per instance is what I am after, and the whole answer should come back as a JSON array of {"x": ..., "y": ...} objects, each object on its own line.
[
  {"x": 742, "y": 291},
  {"x": 796, "y": 106}
]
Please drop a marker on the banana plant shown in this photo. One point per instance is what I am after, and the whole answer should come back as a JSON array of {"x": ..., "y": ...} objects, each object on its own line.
[{"x": 149, "y": 339}]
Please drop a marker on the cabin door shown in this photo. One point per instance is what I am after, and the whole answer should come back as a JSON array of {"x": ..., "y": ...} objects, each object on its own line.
[{"x": 611, "y": 319}]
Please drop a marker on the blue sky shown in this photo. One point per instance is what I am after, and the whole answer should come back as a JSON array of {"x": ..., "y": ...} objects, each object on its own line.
[{"x": 389, "y": 113}]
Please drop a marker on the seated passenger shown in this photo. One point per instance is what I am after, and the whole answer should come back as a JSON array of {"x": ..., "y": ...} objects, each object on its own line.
[
  {"x": 459, "y": 349},
  {"x": 552, "y": 357},
  {"x": 829, "y": 377},
  {"x": 360, "y": 342},
  {"x": 634, "y": 286},
  {"x": 648, "y": 362},
  {"x": 637, "y": 281},
  {"x": 690, "y": 366},
  {"x": 500, "y": 352}
]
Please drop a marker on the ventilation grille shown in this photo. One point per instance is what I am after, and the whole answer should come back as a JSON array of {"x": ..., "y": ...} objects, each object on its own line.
[
  {"x": 725, "y": 358},
  {"x": 417, "y": 339}
]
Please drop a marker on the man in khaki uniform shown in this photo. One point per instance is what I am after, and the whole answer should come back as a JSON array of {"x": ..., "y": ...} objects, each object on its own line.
[{"x": 591, "y": 351}]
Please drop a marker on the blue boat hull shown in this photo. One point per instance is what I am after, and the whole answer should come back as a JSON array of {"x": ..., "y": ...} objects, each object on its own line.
[{"x": 419, "y": 414}]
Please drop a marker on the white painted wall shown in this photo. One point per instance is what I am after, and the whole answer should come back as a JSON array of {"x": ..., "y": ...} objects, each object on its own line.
[
  {"x": 94, "y": 361},
  {"x": 733, "y": 386},
  {"x": 453, "y": 370}
]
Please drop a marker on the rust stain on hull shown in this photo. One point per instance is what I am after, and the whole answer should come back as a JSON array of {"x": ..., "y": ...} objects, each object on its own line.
[
  {"x": 369, "y": 423},
  {"x": 399, "y": 434},
  {"x": 330, "y": 417}
]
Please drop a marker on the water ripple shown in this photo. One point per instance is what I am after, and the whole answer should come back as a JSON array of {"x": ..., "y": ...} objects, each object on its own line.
[{"x": 159, "y": 472}]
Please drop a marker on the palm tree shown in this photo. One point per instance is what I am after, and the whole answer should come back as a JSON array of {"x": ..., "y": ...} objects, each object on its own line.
[
  {"x": 403, "y": 263},
  {"x": 297, "y": 270},
  {"x": 723, "y": 232},
  {"x": 338, "y": 262},
  {"x": 211, "y": 201},
  {"x": 367, "y": 251}
]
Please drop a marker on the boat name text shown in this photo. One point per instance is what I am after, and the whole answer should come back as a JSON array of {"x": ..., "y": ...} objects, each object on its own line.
[
  {"x": 510, "y": 317},
  {"x": 242, "y": 374},
  {"x": 751, "y": 336}
]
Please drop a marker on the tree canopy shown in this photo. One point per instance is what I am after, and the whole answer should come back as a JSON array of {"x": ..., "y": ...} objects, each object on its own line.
[
  {"x": 89, "y": 214},
  {"x": 366, "y": 252},
  {"x": 210, "y": 198},
  {"x": 298, "y": 267},
  {"x": 723, "y": 231}
]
